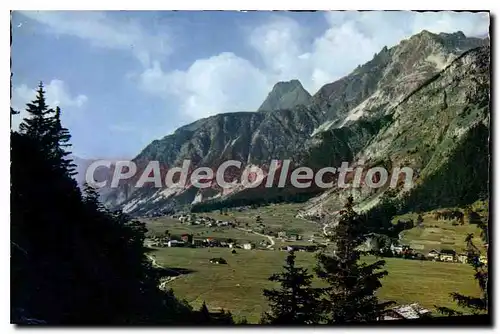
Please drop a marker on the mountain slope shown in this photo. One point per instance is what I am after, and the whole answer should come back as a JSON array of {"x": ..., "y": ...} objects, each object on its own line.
[
  {"x": 380, "y": 84},
  {"x": 343, "y": 121},
  {"x": 252, "y": 138},
  {"x": 441, "y": 129}
]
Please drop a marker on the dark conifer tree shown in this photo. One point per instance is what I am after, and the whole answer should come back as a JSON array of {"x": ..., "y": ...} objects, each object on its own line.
[
  {"x": 73, "y": 262},
  {"x": 295, "y": 302},
  {"x": 36, "y": 125},
  {"x": 58, "y": 141},
  {"x": 352, "y": 284}
]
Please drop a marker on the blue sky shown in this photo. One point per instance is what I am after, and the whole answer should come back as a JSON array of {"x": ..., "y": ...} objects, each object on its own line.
[{"x": 124, "y": 79}]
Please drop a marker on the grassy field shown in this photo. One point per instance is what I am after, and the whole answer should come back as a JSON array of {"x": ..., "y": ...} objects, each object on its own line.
[
  {"x": 440, "y": 234},
  {"x": 277, "y": 218},
  {"x": 238, "y": 285}
]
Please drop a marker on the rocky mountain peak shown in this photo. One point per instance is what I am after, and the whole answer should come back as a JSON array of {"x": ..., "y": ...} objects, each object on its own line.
[
  {"x": 286, "y": 95},
  {"x": 287, "y": 85},
  {"x": 339, "y": 122},
  {"x": 425, "y": 34},
  {"x": 455, "y": 42},
  {"x": 457, "y": 35}
]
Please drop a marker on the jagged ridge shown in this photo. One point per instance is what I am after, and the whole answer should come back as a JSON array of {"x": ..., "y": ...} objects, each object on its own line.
[{"x": 349, "y": 113}]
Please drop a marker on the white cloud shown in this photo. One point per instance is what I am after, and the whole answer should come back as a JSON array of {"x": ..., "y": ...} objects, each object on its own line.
[
  {"x": 222, "y": 83},
  {"x": 57, "y": 94},
  {"x": 470, "y": 24},
  {"x": 103, "y": 31},
  {"x": 351, "y": 39},
  {"x": 278, "y": 42},
  {"x": 226, "y": 82}
]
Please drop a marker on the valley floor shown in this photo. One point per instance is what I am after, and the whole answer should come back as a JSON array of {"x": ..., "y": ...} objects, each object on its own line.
[{"x": 237, "y": 286}]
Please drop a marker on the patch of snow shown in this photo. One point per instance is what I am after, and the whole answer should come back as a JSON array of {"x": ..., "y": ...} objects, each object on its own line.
[
  {"x": 133, "y": 205},
  {"x": 164, "y": 193},
  {"x": 460, "y": 131},
  {"x": 357, "y": 112},
  {"x": 255, "y": 135},
  {"x": 439, "y": 60},
  {"x": 231, "y": 143},
  {"x": 167, "y": 192},
  {"x": 353, "y": 116},
  {"x": 218, "y": 195},
  {"x": 197, "y": 199},
  {"x": 234, "y": 141},
  {"x": 323, "y": 127}
]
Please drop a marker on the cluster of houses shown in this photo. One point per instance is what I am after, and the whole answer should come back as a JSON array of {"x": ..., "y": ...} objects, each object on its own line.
[
  {"x": 187, "y": 240},
  {"x": 443, "y": 255},
  {"x": 405, "y": 251},
  {"x": 411, "y": 311},
  {"x": 284, "y": 236},
  {"x": 192, "y": 219},
  {"x": 448, "y": 255}
]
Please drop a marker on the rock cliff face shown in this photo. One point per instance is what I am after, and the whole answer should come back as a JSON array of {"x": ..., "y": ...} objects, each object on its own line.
[
  {"x": 377, "y": 86},
  {"x": 406, "y": 105},
  {"x": 286, "y": 95},
  {"x": 440, "y": 130}
]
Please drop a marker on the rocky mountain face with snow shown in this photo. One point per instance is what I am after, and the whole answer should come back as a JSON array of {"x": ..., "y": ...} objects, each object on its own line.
[
  {"x": 415, "y": 103},
  {"x": 441, "y": 131}
]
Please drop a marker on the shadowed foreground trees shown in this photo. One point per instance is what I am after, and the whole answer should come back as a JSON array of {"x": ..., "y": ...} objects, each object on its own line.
[
  {"x": 349, "y": 295},
  {"x": 295, "y": 302},
  {"x": 73, "y": 262}
]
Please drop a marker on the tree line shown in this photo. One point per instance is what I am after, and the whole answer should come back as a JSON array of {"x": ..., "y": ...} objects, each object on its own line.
[{"x": 254, "y": 202}]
